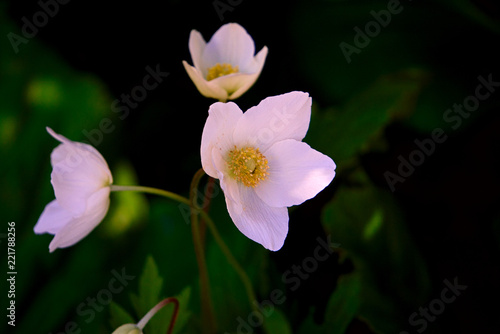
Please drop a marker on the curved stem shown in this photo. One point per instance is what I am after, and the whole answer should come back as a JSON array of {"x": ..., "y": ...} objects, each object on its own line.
[
  {"x": 142, "y": 323},
  {"x": 207, "y": 305},
  {"x": 206, "y": 205},
  {"x": 231, "y": 259},
  {"x": 206, "y": 300},
  {"x": 154, "y": 191}
]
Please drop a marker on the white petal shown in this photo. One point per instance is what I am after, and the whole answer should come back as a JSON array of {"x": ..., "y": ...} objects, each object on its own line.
[
  {"x": 83, "y": 149},
  {"x": 228, "y": 184},
  {"x": 230, "y": 44},
  {"x": 218, "y": 133},
  {"x": 52, "y": 219},
  {"x": 233, "y": 83},
  {"x": 79, "y": 170},
  {"x": 196, "y": 47},
  {"x": 206, "y": 88},
  {"x": 258, "y": 221},
  {"x": 80, "y": 227},
  {"x": 255, "y": 69},
  {"x": 274, "y": 119},
  {"x": 257, "y": 63},
  {"x": 296, "y": 173}
]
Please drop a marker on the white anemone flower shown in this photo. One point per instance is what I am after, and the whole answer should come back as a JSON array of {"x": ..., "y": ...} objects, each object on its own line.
[
  {"x": 81, "y": 179},
  {"x": 262, "y": 164},
  {"x": 225, "y": 67}
]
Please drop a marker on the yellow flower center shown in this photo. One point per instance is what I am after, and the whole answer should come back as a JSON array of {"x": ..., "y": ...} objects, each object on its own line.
[
  {"x": 220, "y": 70},
  {"x": 247, "y": 165}
]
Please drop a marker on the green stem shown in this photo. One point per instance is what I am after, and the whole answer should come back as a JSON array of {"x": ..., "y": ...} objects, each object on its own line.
[
  {"x": 206, "y": 205},
  {"x": 207, "y": 305},
  {"x": 232, "y": 260},
  {"x": 206, "y": 300},
  {"x": 154, "y": 191},
  {"x": 224, "y": 248}
]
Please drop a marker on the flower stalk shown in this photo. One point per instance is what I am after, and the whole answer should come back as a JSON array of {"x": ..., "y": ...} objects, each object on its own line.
[{"x": 208, "y": 314}]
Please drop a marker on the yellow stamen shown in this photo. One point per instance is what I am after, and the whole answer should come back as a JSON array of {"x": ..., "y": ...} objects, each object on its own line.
[
  {"x": 220, "y": 70},
  {"x": 247, "y": 165}
]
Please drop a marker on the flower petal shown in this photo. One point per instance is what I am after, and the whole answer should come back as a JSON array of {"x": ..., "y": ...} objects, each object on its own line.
[
  {"x": 196, "y": 47},
  {"x": 233, "y": 83},
  {"x": 274, "y": 119},
  {"x": 228, "y": 184},
  {"x": 218, "y": 133},
  {"x": 257, "y": 63},
  {"x": 296, "y": 173},
  {"x": 258, "y": 221},
  {"x": 79, "y": 170},
  {"x": 84, "y": 150},
  {"x": 52, "y": 219},
  {"x": 230, "y": 44},
  {"x": 80, "y": 227},
  {"x": 206, "y": 88},
  {"x": 256, "y": 67}
]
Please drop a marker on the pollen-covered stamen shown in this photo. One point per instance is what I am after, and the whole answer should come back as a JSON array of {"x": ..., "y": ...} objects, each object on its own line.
[
  {"x": 220, "y": 70},
  {"x": 247, "y": 165}
]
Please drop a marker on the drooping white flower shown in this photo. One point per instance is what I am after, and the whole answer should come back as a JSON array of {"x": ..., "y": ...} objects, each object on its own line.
[
  {"x": 225, "y": 67},
  {"x": 81, "y": 179},
  {"x": 262, "y": 164}
]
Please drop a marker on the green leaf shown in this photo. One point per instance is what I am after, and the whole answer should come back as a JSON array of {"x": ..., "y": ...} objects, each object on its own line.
[
  {"x": 119, "y": 316},
  {"x": 184, "y": 312},
  {"x": 343, "y": 307},
  {"x": 160, "y": 322},
  {"x": 150, "y": 285},
  {"x": 369, "y": 226},
  {"x": 344, "y": 133},
  {"x": 277, "y": 322}
]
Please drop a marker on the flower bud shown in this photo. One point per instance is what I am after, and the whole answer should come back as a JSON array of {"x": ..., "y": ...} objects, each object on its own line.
[{"x": 128, "y": 329}]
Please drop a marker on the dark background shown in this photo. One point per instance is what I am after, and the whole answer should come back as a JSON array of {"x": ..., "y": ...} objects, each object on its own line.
[{"x": 448, "y": 207}]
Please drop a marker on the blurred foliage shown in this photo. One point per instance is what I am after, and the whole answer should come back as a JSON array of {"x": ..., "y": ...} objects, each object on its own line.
[
  {"x": 150, "y": 287},
  {"x": 397, "y": 79},
  {"x": 128, "y": 208}
]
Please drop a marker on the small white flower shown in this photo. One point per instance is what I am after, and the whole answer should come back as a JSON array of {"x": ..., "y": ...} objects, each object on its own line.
[
  {"x": 262, "y": 164},
  {"x": 81, "y": 179},
  {"x": 225, "y": 67}
]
